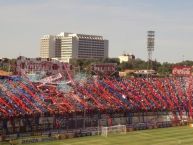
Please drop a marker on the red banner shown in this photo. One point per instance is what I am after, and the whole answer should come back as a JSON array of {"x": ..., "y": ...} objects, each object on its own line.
[
  {"x": 104, "y": 68},
  {"x": 182, "y": 70}
]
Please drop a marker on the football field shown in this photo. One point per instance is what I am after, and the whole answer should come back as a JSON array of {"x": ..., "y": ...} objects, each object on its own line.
[{"x": 163, "y": 136}]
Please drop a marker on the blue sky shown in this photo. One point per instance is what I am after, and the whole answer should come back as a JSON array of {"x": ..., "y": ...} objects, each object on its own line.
[{"x": 123, "y": 22}]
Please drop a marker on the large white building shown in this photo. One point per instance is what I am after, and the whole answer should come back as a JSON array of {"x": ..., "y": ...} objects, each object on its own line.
[{"x": 78, "y": 46}]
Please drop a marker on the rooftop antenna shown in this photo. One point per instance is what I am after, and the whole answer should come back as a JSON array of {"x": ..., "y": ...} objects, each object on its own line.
[
  {"x": 19, "y": 54},
  {"x": 124, "y": 52},
  {"x": 183, "y": 58}
]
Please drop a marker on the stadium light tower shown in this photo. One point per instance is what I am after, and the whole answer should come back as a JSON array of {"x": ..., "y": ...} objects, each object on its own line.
[{"x": 150, "y": 47}]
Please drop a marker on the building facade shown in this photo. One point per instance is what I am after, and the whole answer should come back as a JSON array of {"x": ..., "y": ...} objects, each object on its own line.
[
  {"x": 75, "y": 46},
  {"x": 126, "y": 58},
  {"x": 57, "y": 47},
  {"x": 47, "y": 46}
]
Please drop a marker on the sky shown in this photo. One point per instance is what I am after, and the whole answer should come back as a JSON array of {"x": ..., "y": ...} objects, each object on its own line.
[{"x": 123, "y": 22}]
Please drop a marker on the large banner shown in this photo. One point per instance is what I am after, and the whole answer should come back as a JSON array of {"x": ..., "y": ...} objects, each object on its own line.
[
  {"x": 51, "y": 79},
  {"x": 105, "y": 68},
  {"x": 182, "y": 70}
]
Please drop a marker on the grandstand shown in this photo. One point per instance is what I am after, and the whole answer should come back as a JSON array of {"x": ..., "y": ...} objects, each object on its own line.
[
  {"x": 42, "y": 103},
  {"x": 138, "y": 102},
  {"x": 138, "y": 94}
]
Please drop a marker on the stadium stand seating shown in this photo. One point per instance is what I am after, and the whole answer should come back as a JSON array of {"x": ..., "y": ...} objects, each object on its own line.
[{"x": 20, "y": 97}]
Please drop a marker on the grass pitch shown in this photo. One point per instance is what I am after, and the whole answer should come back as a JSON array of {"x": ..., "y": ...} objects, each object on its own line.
[{"x": 164, "y": 136}]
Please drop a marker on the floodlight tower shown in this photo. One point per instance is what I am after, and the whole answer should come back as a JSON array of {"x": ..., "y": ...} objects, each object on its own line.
[{"x": 150, "y": 47}]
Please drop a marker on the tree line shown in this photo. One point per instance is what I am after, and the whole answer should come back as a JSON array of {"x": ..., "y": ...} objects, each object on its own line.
[
  {"x": 84, "y": 65},
  {"x": 164, "y": 68}
]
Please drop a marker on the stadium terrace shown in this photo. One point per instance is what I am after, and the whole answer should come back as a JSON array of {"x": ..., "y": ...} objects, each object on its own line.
[{"x": 27, "y": 107}]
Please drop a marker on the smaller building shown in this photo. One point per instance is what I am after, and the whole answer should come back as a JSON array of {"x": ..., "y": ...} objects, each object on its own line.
[
  {"x": 137, "y": 73},
  {"x": 126, "y": 58},
  {"x": 145, "y": 73},
  {"x": 126, "y": 72}
]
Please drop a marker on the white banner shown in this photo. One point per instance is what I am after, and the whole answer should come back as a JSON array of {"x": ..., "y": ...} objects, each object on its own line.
[{"x": 51, "y": 79}]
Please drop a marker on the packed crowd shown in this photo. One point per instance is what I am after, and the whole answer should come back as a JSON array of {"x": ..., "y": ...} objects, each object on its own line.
[{"x": 19, "y": 97}]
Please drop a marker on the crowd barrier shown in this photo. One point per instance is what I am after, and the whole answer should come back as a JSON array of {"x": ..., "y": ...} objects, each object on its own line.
[{"x": 39, "y": 137}]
